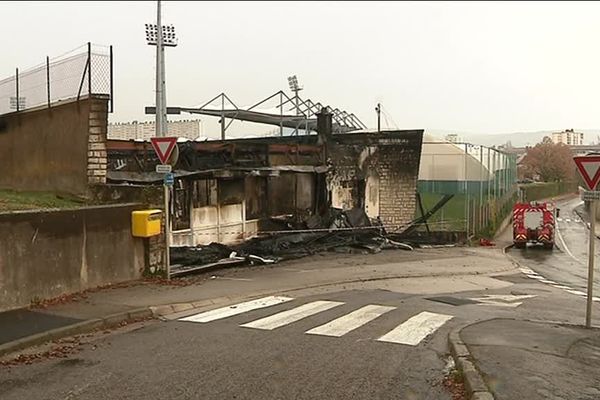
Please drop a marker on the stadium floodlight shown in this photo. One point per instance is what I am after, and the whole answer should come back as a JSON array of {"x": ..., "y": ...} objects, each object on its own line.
[
  {"x": 293, "y": 82},
  {"x": 168, "y": 34},
  {"x": 295, "y": 87}
]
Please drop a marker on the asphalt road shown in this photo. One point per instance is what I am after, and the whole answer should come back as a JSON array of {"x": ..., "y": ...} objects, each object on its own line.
[
  {"x": 567, "y": 263},
  {"x": 277, "y": 359}
]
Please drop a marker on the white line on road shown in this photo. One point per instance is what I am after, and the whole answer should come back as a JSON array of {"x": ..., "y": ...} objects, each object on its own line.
[
  {"x": 287, "y": 317},
  {"x": 415, "y": 329},
  {"x": 562, "y": 287},
  {"x": 527, "y": 271},
  {"x": 548, "y": 281},
  {"x": 564, "y": 245},
  {"x": 236, "y": 279},
  {"x": 577, "y": 292},
  {"x": 236, "y": 309},
  {"x": 340, "y": 326},
  {"x": 536, "y": 276}
]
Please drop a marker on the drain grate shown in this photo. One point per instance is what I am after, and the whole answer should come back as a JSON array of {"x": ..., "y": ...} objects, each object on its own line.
[{"x": 453, "y": 301}]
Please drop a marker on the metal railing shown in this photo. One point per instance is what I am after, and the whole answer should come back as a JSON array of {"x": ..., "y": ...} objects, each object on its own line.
[{"x": 83, "y": 71}]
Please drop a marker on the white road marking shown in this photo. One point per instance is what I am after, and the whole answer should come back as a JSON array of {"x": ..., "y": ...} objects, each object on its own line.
[
  {"x": 568, "y": 220},
  {"x": 415, "y": 329},
  {"x": 577, "y": 292},
  {"x": 538, "y": 277},
  {"x": 562, "y": 287},
  {"x": 340, "y": 326},
  {"x": 564, "y": 245},
  {"x": 503, "y": 300},
  {"x": 236, "y": 309},
  {"x": 287, "y": 317},
  {"x": 527, "y": 271},
  {"x": 559, "y": 219},
  {"x": 548, "y": 281},
  {"x": 596, "y": 299},
  {"x": 236, "y": 279}
]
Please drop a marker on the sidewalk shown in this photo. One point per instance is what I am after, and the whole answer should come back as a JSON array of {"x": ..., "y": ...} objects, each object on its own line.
[
  {"x": 535, "y": 360},
  {"x": 111, "y": 306}
]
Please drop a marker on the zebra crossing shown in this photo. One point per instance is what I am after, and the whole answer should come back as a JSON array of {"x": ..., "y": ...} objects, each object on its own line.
[{"x": 410, "y": 332}]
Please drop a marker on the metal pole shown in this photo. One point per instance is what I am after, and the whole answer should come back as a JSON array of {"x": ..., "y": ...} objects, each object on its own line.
[
  {"x": 378, "y": 109},
  {"x": 489, "y": 187},
  {"x": 222, "y": 117},
  {"x": 112, "y": 94},
  {"x": 159, "y": 75},
  {"x": 480, "y": 220},
  {"x": 590, "y": 286},
  {"x": 281, "y": 114},
  {"x": 90, "y": 69},
  {"x": 297, "y": 110},
  {"x": 466, "y": 193},
  {"x": 48, "y": 79},
  {"x": 17, "y": 88},
  {"x": 167, "y": 231}
]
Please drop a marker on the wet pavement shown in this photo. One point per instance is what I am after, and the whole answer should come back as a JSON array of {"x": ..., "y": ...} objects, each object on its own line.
[{"x": 567, "y": 264}]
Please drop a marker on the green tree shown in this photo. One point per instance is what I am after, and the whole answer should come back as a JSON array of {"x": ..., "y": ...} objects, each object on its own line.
[{"x": 548, "y": 162}]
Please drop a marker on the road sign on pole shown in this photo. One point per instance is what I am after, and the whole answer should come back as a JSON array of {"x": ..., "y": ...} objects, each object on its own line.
[
  {"x": 163, "y": 168},
  {"x": 589, "y": 168},
  {"x": 163, "y": 146},
  {"x": 169, "y": 179},
  {"x": 588, "y": 195}
]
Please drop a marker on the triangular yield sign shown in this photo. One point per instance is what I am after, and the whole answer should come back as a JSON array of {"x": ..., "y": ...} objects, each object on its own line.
[
  {"x": 163, "y": 146},
  {"x": 589, "y": 168}
]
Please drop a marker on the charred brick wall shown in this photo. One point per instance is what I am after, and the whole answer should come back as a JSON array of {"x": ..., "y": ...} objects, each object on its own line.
[{"x": 391, "y": 157}]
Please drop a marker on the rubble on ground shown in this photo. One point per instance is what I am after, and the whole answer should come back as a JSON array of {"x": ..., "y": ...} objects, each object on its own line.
[{"x": 342, "y": 231}]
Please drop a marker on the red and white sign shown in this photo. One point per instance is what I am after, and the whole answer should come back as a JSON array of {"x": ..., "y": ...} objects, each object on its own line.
[
  {"x": 163, "y": 146},
  {"x": 589, "y": 168}
]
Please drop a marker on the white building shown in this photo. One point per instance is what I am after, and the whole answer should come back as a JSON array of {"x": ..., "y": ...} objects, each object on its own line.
[
  {"x": 189, "y": 129},
  {"x": 568, "y": 137}
]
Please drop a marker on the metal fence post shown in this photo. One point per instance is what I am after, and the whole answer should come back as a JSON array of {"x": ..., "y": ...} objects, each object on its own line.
[
  {"x": 17, "y": 88},
  {"x": 466, "y": 186},
  {"x": 89, "y": 69},
  {"x": 112, "y": 104},
  {"x": 48, "y": 79}
]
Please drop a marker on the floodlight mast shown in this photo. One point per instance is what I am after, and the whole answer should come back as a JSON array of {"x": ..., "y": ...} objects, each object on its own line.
[
  {"x": 295, "y": 87},
  {"x": 155, "y": 36}
]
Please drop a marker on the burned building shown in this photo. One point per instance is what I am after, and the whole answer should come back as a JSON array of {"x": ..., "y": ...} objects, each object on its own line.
[{"x": 230, "y": 190}]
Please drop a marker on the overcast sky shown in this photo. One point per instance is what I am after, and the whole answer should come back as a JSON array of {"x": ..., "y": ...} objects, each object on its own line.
[{"x": 475, "y": 67}]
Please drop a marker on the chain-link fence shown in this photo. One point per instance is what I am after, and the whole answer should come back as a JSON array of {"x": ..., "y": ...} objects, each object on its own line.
[
  {"x": 481, "y": 180},
  {"x": 82, "y": 71}
]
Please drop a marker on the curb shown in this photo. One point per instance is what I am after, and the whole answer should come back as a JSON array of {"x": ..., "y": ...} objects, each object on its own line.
[
  {"x": 74, "y": 329},
  {"x": 474, "y": 383}
]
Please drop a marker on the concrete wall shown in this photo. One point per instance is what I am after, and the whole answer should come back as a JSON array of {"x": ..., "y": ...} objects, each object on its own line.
[
  {"x": 51, "y": 253},
  {"x": 52, "y": 149}
]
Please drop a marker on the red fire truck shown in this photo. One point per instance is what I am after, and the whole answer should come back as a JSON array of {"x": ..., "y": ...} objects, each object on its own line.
[{"x": 534, "y": 223}]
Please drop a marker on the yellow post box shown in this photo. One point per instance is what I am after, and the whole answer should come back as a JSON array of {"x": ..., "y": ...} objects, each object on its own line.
[{"x": 145, "y": 223}]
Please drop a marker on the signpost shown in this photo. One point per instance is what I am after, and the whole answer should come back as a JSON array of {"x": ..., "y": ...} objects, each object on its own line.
[
  {"x": 589, "y": 168},
  {"x": 164, "y": 146}
]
